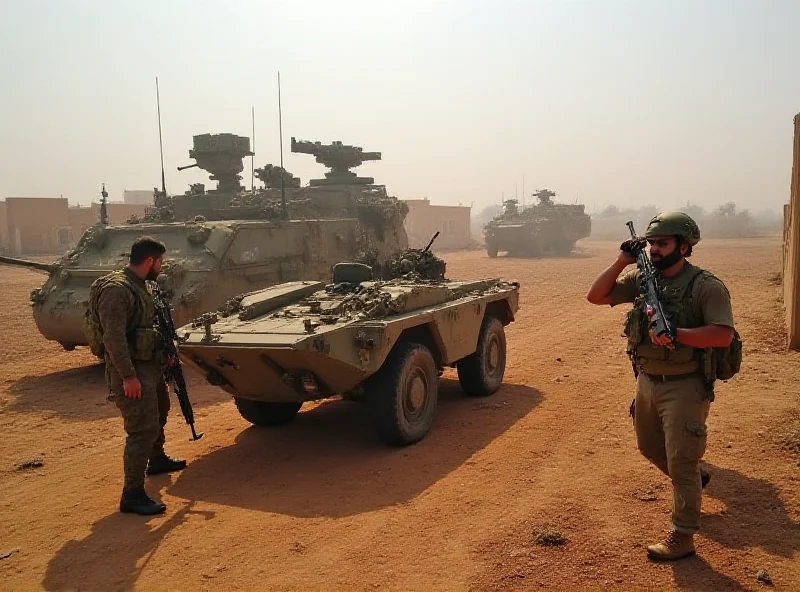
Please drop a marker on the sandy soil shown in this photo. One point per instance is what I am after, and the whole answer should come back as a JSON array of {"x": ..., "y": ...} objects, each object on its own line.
[{"x": 321, "y": 504}]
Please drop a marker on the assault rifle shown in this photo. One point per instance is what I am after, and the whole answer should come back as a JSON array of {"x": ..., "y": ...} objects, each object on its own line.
[
  {"x": 651, "y": 290},
  {"x": 174, "y": 371}
]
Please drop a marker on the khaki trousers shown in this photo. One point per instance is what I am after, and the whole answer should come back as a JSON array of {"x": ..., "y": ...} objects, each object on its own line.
[{"x": 670, "y": 423}]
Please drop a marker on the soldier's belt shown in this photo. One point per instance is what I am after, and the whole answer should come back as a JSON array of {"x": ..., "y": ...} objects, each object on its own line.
[{"x": 670, "y": 377}]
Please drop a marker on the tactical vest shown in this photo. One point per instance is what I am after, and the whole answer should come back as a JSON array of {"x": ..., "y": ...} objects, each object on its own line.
[
  {"x": 677, "y": 299},
  {"x": 141, "y": 333}
]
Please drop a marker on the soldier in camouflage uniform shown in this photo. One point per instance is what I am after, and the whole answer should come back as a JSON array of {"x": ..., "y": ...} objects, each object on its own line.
[
  {"x": 673, "y": 394},
  {"x": 134, "y": 370}
]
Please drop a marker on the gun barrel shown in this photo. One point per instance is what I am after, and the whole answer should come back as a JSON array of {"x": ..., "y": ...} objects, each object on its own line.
[
  {"x": 425, "y": 250},
  {"x": 188, "y": 166},
  {"x": 25, "y": 263}
]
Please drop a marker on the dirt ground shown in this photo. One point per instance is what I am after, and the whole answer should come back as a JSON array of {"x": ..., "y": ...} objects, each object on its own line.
[{"x": 322, "y": 504}]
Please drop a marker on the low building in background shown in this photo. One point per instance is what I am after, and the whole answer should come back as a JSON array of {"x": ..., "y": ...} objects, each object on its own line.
[
  {"x": 49, "y": 225},
  {"x": 424, "y": 220},
  {"x": 138, "y": 196},
  {"x": 5, "y": 242}
]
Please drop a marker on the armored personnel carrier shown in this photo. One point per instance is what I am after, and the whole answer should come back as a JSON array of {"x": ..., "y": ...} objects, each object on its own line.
[
  {"x": 538, "y": 229},
  {"x": 384, "y": 341},
  {"x": 228, "y": 240}
]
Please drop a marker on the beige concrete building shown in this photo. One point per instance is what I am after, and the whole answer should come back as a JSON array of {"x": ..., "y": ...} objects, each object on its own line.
[
  {"x": 5, "y": 243},
  {"x": 49, "y": 225},
  {"x": 38, "y": 225},
  {"x": 791, "y": 259},
  {"x": 424, "y": 220},
  {"x": 138, "y": 196}
]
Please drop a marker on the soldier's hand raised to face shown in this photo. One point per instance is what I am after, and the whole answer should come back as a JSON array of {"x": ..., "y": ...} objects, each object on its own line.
[
  {"x": 630, "y": 248},
  {"x": 133, "y": 388}
]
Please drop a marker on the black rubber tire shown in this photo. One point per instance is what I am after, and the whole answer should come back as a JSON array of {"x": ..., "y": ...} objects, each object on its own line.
[
  {"x": 408, "y": 373},
  {"x": 265, "y": 414},
  {"x": 563, "y": 248},
  {"x": 492, "y": 251},
  {"x": 481, "y": 373}
]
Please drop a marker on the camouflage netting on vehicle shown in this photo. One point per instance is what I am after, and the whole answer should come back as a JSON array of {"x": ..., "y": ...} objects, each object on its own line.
[
  {"x": 232, "y": 306},
  {"x": 423, "y": 264}
]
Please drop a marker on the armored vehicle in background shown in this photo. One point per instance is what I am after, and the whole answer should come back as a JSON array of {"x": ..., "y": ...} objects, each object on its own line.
[
  {"x": 228, "y": 240},
  {"x": 382, "y": 341},
  {"x": 537, "y": 229}
]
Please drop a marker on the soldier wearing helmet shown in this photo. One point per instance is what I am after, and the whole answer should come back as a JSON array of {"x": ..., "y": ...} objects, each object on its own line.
[{"x": 673, "y": 391}]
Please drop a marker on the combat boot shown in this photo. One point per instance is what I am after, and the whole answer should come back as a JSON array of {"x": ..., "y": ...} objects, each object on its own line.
[
  {"x": 161, "y": 463},
  {"x": 136, "y": 501},
  {"x": 676, "y": 546}
]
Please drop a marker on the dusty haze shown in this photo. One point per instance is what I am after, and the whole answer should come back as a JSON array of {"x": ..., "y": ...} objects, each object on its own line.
[{"x": 603, "y": 102}]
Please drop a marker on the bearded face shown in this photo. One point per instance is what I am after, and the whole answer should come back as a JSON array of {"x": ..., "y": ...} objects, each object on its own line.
[
  {"x": 664, "y": 252},
  {"x": 155, "y": 268}
]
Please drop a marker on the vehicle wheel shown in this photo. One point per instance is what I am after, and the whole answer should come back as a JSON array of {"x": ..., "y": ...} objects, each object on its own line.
[
  {"x": 403, "y": 394},
  {"x": 564, "y": 248},
  {"x": 481, "y": 373},
  {"x": 492, "y": 250},
  {"x": 265, "y": 414}
]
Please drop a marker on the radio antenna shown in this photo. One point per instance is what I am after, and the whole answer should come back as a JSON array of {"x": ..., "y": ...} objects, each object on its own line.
[
  {"x": 253, "y": 155},
  {"x": 280, "y": 134},
  {"x": 160, "y": 142}
]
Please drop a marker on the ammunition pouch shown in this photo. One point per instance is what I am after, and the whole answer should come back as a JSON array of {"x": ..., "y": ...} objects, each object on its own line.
[{"x": 143, "y": 344}]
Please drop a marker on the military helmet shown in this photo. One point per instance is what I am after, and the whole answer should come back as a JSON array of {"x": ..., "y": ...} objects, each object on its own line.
[{"x": 674, "y": 223}]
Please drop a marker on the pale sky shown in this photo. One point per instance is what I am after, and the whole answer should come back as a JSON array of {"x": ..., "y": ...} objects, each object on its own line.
[{"x": 616, "y": 101}]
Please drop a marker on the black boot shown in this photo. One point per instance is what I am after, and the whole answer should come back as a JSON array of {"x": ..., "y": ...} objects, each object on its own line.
[
  {"x": 136, "y": 501},
  {"x": 704, "y": 478},
  {"x": 161, "y": 463}
]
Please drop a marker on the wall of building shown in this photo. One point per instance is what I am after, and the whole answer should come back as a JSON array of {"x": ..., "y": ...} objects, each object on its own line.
[
  {"x": 5, "y": 244},
  {"x": 791, "y": 275},
  {"x": 38, "y": 225},
  {"x": 138, "y": 196},
  {"x": 83, "y": 217},
  {"x": 118, "y": 213},
  {"x": 424, "y": 220},
  {"x": 48, "y": 225}
]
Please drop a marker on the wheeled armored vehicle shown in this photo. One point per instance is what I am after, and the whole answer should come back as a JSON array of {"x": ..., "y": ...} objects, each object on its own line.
[
  {"x": 384, "y": 342},
  {"x": 538, "y": 229}
]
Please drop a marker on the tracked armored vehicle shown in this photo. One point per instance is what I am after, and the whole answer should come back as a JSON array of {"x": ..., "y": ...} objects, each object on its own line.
[
  {"x": 382, "y": 341},
  {"x": 228, "y": 240},
  {"x": 538, "y": 229}
]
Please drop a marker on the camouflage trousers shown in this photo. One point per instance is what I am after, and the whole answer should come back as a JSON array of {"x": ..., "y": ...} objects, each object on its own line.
[
  {"x": 670, "y": 423},
  {"x": 144, "y": 419}
]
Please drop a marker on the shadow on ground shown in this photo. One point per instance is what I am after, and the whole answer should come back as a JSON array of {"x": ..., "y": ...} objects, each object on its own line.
[
  {"x": 755, "y": 517},
  {"x": 79, "y": 394},
  {"x": 695, "y": 574},
  {"x": 330, "y": 463},
  {"x": 110, "y": 557}
]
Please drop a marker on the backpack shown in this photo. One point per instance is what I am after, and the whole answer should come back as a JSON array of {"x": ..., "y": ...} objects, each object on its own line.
[
  {"x": 721, "y": 363},
  {"x": 727, "y": 361},
  {"x": 92, "y": 328}
]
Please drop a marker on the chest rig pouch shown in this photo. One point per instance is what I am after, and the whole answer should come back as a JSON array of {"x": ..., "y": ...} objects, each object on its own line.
[
  {"x": 677, "y": 300},
  {"x": 145, "y": 338}
]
